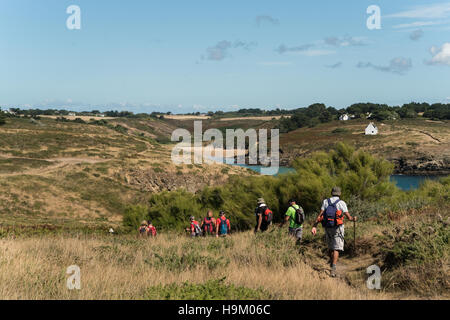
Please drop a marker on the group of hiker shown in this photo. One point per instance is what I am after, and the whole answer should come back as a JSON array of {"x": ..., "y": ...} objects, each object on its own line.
[
  {"x": 219, "y": 227},
  {"x": 331, "y": 216}
]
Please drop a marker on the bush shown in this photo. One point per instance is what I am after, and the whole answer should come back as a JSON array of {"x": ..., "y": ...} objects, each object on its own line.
[
  {"x": 133, "y": 216},
  {"x": 210, "y": 290},
  {"x": 357, "y": 173}
]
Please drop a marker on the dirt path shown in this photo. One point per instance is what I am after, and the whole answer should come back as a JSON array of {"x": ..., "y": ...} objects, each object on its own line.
[
  {"x": 57, "y": 163},
  {"x": 428, "y": 134}
]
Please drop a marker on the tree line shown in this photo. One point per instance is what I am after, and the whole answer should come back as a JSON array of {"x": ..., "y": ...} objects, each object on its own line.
[{"x": 319, "y": 113}]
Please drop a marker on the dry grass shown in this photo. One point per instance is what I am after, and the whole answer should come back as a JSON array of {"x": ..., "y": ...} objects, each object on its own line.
[{"x": 123, "y": 267}]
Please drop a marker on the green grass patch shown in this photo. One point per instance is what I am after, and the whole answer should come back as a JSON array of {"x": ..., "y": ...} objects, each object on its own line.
[{"x": 210, "y": 290}]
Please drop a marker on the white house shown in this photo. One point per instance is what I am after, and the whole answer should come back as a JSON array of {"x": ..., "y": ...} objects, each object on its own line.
[
  {"x": 9, "y": 111},
  {"x": 71, "y": 114},
  {"x": 371, "y": 129},
  {"x": 344, "y": 117}
]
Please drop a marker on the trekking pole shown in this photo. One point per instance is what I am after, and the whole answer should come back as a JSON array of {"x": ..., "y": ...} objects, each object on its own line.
[{"x": 354, "y": 235}]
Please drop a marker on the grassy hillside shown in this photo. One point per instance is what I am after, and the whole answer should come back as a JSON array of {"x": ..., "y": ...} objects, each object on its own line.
[
  {"x": 75, "y": 173},
  {"x": 65, "y": 183},
  {"x": 415, "y": 145}
]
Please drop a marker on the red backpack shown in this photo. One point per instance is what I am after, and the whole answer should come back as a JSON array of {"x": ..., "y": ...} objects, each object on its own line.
[
  {"x": 268, "y": 216},
  {"x": 207, "y": 225}
]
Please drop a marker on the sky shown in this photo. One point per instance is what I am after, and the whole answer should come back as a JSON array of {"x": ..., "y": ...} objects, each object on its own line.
[{"x": 207, "y": 55}]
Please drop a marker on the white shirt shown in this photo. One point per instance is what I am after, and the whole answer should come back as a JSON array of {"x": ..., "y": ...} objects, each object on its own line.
[{"x": 341, "y": 205}]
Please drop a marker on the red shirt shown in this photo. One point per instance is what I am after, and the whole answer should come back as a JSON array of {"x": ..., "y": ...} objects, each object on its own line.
[
  {"x": 151, "y": 231},
  {"x": 219, "y": 220},
  {"x": 193, "y": 223}
]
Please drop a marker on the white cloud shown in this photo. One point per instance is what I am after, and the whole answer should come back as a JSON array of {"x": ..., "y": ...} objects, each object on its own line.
[
  {"x": 416, "y": 34},
  {"x": 314, "y": 53},
  {"x": 397, "y": 65},
  {"x": 266, "y": 19},
  {"x": 334, "y": 66},
  {"x": 283, "y": 48},
  {"x": 433, "y": 11},
  {"x": 345, "y": 41},
  {"x": 441, "y": 56},
  {"x": 419, "y": 24},
  {"x": 275, "y": 63},
  {"x": 220, "y": 50}
]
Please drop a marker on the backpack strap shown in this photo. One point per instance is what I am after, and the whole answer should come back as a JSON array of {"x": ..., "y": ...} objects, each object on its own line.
[
  {"x": 337, "y": 201},
  {"x": 329, "y": 201}
]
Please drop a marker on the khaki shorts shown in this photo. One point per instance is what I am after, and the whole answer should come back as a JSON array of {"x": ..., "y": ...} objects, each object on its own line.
[
  {"x": 335, "y": 238},
  {"x": 296, "y": 232}
]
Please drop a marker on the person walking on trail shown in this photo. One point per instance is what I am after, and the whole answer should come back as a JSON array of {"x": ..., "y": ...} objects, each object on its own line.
[
  {"x": 332, "y": 216},
  {"x": 263, "y": 216},
  {"x": 143, "y": 228},
  {"x": 223, "y": 227},
  {"x": 295, "y": 216},
  {"x": 194, "y": 228},
  {"x": 208, "y": 224},
  {"x": 151, "y": 230}
]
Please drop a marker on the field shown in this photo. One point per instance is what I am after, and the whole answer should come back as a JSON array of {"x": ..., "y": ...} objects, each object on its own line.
[
  {"x": 243, "y": 266},
  {"x": 65, "y": 184},
  {"x": 57, "y": 172},
  {"x": 418, "y": 146}
]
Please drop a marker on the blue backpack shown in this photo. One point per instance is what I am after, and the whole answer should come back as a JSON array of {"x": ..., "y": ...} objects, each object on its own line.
[
  {"x": 223, "y": 228},
  {"x": 330, "y": 215}
]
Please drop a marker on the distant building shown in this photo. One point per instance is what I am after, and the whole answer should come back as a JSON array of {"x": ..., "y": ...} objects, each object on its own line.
[
  {"x": 101, "y": 115},
  {"x": 71, "y": 114},
  {"x": 344, "y": 117},
  {"x": 371, "y": 129},
  {"x": 9, "y": 112}
]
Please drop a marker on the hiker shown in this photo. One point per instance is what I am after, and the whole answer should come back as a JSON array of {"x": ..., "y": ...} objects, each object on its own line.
[
  {"x": 208, "y": 224},
  {"x": 295, "y": 216},
  {"x": 223, "y": 227},
  {"x": 194, "y": 228},
  {"x": 263, "y": 216},
  {"x": 151, "y": 230},
  {"x": 143, "y": 228},
  {"x": 332, "y": 216}
]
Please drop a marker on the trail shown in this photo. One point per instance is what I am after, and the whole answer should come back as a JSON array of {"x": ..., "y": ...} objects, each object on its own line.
[
  {"x": 429, "y": 135},
  {"x": 57, "y": 163}
]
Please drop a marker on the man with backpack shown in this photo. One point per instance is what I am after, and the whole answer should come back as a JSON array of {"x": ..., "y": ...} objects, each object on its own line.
[
  {"x": 143, "y": 228},
  {"x": 195, "y": 229},
  {"x": 208, "y": 224},
  {"x": 332, "y": 216},
  {"x": 263, "y": 216},
  {"x": 295, "y": 216},
  {"x": 223, "y": 227}
]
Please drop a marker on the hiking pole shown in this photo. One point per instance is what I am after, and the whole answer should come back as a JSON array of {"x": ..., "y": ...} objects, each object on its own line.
[{"x": 354, "y": 235}]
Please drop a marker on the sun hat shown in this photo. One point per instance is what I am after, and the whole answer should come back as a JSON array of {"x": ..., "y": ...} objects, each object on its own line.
[{"x": 336, "y": 191}]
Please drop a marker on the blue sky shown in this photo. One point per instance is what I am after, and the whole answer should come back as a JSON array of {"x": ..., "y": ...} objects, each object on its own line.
[{"x": 201, "y": 55}]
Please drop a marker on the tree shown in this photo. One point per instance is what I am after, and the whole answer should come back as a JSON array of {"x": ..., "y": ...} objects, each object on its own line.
[{"x": 2, "y": 118}]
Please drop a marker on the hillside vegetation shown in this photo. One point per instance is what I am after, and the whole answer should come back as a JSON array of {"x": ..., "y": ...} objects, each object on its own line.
[
  {"x": 86, "y": 174},
  {"x": 66, "y": 182}
]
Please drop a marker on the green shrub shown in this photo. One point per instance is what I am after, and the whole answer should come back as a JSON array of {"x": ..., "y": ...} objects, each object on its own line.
[
  {"x": 364, "y": 181},
  {"x": 210, "y": 290},
  {"x": 133, "y": 216}
]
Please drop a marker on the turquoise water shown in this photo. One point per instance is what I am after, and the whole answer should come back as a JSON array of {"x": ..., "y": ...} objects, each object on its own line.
[
  {"x": 410, "y": 182},
  {"x": 255, "y": 168},
  {"x": 402, "y": 181}
]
